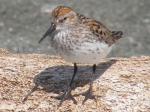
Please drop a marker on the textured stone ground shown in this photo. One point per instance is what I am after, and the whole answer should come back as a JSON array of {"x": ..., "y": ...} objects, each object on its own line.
[{"x": 120, "y": 85}]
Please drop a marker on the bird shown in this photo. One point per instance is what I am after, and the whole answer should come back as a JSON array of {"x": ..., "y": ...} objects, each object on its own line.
[{"x": 79, "y": 39}]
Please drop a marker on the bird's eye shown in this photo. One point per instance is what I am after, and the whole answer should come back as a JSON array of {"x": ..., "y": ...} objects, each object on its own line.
[{"x": 65, "y": 18}]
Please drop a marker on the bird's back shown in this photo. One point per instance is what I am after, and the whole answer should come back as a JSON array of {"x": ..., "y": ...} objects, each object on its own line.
[{"x": 100, "y": 30}]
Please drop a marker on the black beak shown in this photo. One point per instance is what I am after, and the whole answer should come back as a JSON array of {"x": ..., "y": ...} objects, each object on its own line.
[{"x": 48, "y": 32}]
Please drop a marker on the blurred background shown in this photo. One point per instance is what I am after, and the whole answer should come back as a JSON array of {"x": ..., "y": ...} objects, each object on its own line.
[{"x": 22, "y": 23}]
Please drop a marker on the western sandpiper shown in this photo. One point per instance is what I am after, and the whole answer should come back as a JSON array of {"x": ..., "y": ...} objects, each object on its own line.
[{"x": 78, "y": 39}]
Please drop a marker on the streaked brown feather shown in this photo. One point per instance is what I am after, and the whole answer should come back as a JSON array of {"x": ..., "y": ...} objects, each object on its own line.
[{"x": 98, "y": 29}]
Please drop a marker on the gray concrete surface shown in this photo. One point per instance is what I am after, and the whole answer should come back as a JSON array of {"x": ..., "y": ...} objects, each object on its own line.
[{"x": 22, "y": 23}]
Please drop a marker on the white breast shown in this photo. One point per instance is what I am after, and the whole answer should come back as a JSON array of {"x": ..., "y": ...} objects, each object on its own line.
[{"x": 87, "y": 52}]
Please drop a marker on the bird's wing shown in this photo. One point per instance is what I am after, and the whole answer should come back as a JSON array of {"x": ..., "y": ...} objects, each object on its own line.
[{"x": 101, "y": 31}]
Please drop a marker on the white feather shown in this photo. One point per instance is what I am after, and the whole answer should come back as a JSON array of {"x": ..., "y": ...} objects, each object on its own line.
[{"x": 87, "y": 53}]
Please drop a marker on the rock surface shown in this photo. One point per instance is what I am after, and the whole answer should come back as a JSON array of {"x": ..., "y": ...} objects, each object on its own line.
[{"x": 119, "y": 85}]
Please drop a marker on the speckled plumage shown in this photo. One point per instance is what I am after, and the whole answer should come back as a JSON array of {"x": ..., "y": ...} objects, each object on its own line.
[{"x": 79, "y": 39}]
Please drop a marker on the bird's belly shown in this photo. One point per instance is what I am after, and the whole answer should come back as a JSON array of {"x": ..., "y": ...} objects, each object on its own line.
[
  {"x": 80, "y": 50},
  {"x": 87, "y": 53}
]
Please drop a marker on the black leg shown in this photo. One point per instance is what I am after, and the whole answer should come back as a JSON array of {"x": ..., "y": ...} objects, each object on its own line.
[
  {"x": 67, "y": 93},
  {"x": 74, "y": 74},
  {"x": 94, "y": 68}
]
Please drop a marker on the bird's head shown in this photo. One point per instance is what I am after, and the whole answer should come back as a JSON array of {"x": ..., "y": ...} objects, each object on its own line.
[{"x": 62, "y": 17}]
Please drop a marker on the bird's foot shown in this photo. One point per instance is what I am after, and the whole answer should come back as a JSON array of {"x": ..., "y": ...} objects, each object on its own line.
[{"x": 66, "y": 96}]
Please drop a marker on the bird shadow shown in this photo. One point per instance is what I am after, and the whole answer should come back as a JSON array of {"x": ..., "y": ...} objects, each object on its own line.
[{"x": 56, "y": 79}]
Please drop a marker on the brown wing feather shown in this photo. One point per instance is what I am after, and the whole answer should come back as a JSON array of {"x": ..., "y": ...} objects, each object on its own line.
[{"x": 98, "y": 29}]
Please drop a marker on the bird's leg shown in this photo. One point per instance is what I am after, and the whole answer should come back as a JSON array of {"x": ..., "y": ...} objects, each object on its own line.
[
  {"x": 74, "y": 73},
  {"x": 88, "y": 94},
  {"x": 67, "y": 93},
  {"x": 94, "y": 68},
  {"x": 91, "y": 82},
  {"x": 72, "y": 79}
]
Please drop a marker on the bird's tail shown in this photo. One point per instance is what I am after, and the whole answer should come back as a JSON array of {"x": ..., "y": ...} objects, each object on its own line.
[{"x": 117, "y": 34}]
